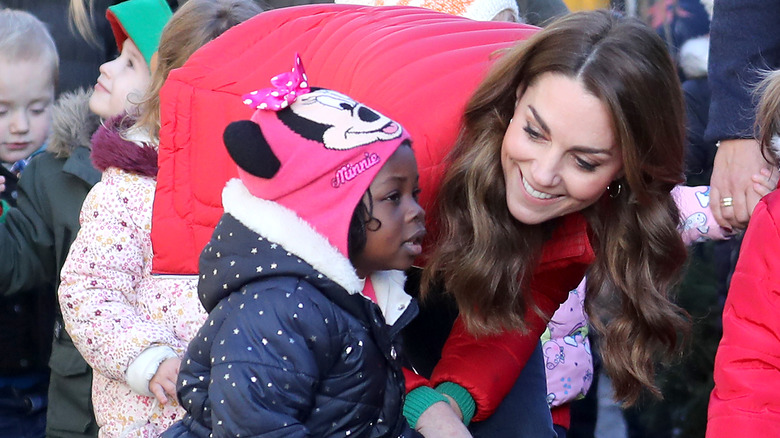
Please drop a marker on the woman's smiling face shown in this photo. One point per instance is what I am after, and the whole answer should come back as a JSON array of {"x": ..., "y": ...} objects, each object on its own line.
[{"x": 559, "y": 152}]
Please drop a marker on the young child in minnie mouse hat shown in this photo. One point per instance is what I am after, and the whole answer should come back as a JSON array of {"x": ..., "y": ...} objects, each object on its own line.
[{"x": 302, "y": 277}]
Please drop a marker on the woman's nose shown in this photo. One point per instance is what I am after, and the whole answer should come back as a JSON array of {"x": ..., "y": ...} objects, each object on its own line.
[{"x": 546, "y": 169}]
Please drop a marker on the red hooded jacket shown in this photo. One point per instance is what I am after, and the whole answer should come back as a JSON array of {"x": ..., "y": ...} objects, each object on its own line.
[{"x": 745, "y": 400}]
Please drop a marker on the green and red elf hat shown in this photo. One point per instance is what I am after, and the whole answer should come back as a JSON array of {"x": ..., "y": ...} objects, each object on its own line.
[{"x": 140, "y": 20}]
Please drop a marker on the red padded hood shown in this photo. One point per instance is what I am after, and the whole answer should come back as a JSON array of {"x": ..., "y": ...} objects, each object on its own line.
[{"x": 416, "y": 66}]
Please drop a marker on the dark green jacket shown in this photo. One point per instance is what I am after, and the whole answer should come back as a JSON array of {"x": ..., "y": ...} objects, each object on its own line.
[{"x": 35, "y": 239}]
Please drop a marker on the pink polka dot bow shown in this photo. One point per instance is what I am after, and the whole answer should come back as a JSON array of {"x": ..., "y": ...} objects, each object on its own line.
[{"x": 286, "y": 88}]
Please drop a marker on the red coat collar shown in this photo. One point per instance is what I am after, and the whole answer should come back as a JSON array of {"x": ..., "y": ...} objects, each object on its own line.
[{"x": 570, "y": 243}]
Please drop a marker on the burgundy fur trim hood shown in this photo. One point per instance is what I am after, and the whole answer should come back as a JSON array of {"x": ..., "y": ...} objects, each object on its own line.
[{"x": 109, "y": 149}]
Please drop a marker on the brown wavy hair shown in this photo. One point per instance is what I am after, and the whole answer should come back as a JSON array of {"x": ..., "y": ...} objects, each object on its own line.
[
  {"x": 194, "y": 24},
  {"x": 485, "y": 257}
]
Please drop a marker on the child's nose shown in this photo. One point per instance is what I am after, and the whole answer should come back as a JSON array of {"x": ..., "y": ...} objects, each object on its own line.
[
  {"x": 20, "y": 123},
  {"x": 107, "y": 68},
  {"x": 415, "y": 212}
]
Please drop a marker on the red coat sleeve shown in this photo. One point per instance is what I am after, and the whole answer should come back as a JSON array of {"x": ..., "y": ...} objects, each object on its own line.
[
  {"x": 414, "y": 380},
  {"x": 487, "y": 367},
  {"x": 745, "y": 401}
]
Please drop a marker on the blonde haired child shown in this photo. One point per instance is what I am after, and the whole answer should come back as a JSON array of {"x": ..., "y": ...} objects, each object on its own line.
[
  {"x": 744, "y": 401},
  {"x": 29, "y": 66},
  {"x": 28, "y": 79},
  {"x": 130, "y": 326}
]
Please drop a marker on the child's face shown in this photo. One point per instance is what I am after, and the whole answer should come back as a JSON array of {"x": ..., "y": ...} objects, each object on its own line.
[
  {"x": 127, "y": 75},
  {"x": 26, "y": 97},
  {"x": 398, "y": 241}
]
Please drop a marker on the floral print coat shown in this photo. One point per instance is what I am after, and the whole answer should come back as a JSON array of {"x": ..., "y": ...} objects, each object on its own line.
[{"x": 113, "y": 308}]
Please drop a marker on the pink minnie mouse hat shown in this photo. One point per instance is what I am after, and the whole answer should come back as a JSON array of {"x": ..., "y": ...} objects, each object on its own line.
[{"x": 313, "y": 151}]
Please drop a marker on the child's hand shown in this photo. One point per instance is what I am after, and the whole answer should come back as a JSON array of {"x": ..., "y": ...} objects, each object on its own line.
[
  {"x": 164, "y": 380},
  {"x": 441, "y": 420},
  {"x": 2, "y": 184},
  {"x": 765, "y": 181}
]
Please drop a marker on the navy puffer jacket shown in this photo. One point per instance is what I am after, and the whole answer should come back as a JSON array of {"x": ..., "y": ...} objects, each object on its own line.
[{"x": 286, "y": 350}]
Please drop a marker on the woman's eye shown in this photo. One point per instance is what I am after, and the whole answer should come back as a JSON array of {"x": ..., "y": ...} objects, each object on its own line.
[
  {"x": 416, "y": 194},
  {"x": 532, "y": 133},
  {"x": 585, "y": 165},
  {"x": 130, "y": 63}
]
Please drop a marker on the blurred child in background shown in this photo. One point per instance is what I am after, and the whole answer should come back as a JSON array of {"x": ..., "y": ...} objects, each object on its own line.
[
  {"x": 29, "y": 68},
  {"x": 744, "y": 401}
]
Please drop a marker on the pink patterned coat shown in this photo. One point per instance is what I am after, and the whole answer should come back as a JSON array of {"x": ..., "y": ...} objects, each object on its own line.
[{"x": 113, "y": 308}]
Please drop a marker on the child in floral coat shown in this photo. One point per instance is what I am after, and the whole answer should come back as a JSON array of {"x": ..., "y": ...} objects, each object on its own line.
[{"x": 130, "y": 326}]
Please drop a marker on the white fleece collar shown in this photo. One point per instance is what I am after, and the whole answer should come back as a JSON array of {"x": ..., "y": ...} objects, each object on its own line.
[{"x": 281, "y": 225}]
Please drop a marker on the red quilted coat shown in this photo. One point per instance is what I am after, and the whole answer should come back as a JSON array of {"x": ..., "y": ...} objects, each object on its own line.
[
  {"x": 416, "y": 66},
  {"x": 745, "y": 401}
]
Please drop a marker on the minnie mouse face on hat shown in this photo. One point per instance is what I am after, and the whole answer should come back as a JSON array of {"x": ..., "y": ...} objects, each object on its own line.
[
  {"x": 347, "y": 124},
  {"x": 296, "y": 126}
]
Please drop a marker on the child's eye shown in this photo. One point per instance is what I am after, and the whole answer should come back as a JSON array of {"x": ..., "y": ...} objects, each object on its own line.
[
  {"x": 38, "y": 111},
  {"x": 130, "y": 63},
  {"x": 393, "y": 197}
]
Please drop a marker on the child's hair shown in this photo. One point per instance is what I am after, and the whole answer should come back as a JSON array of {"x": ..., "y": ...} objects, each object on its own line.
[
  {"x": 194, "y": 24},
  {"x": 639, "y": 251},
  {"x": 25, "y": 38},
  {"x": 768, "y": 116},
  {"x": 363, "y": 220}
]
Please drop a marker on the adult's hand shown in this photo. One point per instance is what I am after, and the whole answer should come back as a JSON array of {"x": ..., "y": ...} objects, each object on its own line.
[
  {"x": 735, "y": 164},
  {"x": 441, "y": 421}
]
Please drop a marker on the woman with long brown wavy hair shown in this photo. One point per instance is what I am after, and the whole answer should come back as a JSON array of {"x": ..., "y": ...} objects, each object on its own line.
[{"x": 566, "y": 159}]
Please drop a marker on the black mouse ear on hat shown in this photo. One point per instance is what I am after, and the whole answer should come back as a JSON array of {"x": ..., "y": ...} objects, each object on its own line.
[{"x": 248, "y": 147}]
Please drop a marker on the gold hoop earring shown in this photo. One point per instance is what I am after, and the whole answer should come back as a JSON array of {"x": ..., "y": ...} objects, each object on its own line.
[{"x": 614, "y": 189}]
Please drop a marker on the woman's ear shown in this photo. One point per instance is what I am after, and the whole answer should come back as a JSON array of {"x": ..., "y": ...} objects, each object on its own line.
[{"x": 248, "y": 147}]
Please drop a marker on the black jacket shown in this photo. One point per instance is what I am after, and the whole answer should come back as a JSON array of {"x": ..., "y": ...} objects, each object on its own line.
[{"x": 289, "y": 350}]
